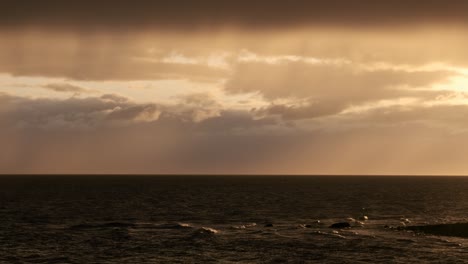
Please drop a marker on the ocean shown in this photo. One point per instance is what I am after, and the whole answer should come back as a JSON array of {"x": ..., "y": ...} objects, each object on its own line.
[{"x": 233, "y": 219}]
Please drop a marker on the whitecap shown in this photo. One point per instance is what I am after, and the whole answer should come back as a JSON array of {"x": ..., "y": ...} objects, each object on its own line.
[
  {"x": 405, "y": 220},
  {"x": 206, "y": 231}
]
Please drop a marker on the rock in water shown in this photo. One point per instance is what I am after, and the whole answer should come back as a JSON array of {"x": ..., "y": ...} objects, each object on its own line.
[
  {"x": 340, "y": 225},
  {"x": 456, "y": 230}
]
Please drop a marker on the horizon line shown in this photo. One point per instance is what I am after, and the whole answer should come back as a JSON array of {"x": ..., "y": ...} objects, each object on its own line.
[{"x": 230, "y": 175}]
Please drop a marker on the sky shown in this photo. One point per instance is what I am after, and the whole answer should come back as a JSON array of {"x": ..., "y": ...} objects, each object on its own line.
[{"x": 234, "y": 87}]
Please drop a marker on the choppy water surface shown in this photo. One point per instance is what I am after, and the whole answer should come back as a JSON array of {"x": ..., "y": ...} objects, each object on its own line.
[{"x": 125, "y": 219}]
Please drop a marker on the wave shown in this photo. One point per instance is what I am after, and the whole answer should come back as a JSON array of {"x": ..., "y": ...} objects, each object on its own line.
[
  {"x": 166, "y": 226},
  {"x": 244, "y": 226},
  {"x": 207, "y": 230},
  {"x": 204, "y": 232},
  {"x": 329, "y": 234}
]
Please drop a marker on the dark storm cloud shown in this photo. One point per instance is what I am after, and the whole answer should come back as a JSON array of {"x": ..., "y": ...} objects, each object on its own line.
[{"x": 188, "y": 14}]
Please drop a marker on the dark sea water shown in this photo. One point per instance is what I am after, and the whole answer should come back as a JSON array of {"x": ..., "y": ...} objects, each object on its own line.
[{"x": 232, "y": 219}]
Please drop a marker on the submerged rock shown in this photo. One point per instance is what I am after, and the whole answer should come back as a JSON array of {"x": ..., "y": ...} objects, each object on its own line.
[
  {"x": 456, "y": 230},
  {"x": 341, "y": 225}
]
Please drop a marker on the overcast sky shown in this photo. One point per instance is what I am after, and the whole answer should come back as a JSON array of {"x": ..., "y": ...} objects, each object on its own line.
[{"x": 234, "y": 87}]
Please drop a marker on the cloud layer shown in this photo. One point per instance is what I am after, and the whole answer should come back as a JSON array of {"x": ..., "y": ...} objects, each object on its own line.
[
  {"x": 109, "y": 134},
  {"x": 187, "y": 15},
  {"x": 347, "y": 87}
]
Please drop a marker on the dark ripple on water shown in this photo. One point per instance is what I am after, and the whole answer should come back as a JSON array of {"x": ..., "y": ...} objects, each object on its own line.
[{"x": 250, "y": 220}]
